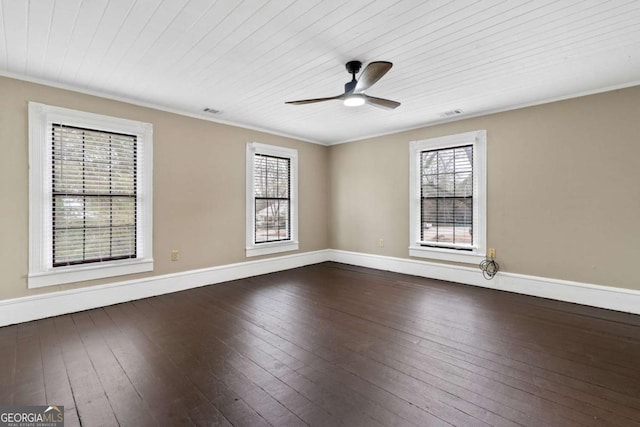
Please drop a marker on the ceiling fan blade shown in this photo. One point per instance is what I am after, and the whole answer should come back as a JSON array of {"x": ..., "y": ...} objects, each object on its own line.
[
  {"x": 311, "y": 101},
  {"x": 387, "y": 104},
  {"x": 371, "y": 74}
]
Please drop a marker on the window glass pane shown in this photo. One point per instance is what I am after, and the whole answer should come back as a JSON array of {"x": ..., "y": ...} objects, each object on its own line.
[
  {"x": 123, "y": 211},
  {"x": 272, "y": 177},
  {"x": 445, "y": 184},
  {"x": 447, "y": 196},
  {"x": 429, "y": 227},
  {"x": 282, "y": 220},
  {"x": 261, "y": 218},
  {"x": 123, "y": 241},
  {"x": 272, "y": 198},
  {"x": 67, "y": 245},
  {"x": 445, "y": 161},
  {"x": 445, "y": 221},
  {"x": 259, "y": 176},
  {"x": 464, "y": 159},
  {"x": 429, "y": 162},
  {"x": 89, "y": 168},
  {"x": 97, "y": 243},
  {"x": 68, "y": 212},
  {"x": 464, "y": 184},
  {"x": 97, "y": 211}
]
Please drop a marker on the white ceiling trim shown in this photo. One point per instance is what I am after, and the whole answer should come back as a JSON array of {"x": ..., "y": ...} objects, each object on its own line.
[
  {"x": 465, "y": 116},
  {"x": 204, "y": 116},
  {"x": 248, "y": 58}
]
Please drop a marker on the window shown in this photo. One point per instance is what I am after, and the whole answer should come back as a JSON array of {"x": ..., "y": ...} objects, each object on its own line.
[
  {"x": 448, "y": 197},
  {"x": 272, "y": 224},
  {"x": 89, "y": 194}
]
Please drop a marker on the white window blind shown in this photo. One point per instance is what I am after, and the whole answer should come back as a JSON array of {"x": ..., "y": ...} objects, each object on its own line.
[
  {"x": 272, "y": 198},
  {"x": 90, "y": 196},
  {"x": 447, "y": 204},
  {"x": 93, "y": 195},
  {"x": 446, "y": 210}
]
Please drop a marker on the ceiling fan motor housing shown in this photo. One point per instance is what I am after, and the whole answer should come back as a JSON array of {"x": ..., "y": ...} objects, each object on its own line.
[
  {"x": 370, "y": 75},
  {"x": 353, "y": 67}
]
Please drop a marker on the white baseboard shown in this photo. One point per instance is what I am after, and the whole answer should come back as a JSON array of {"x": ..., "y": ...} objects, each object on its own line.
[
  {"x": 619, "y": 299},
  {"x": 35, "y": 307}
]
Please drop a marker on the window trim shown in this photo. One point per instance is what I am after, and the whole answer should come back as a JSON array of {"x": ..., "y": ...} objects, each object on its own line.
[
  {"x": 292, "y": 244},
  {"x": 41, "y": 270},
  {"x": 478, "y": 252}
]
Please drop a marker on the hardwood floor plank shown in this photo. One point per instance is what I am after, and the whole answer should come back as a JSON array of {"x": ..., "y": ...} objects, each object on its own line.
[
  {"x": 328, "y": 345},
  {"x": 8, "y": 349},
  {"x": 229, "y": 368},
  {"x": 180, "y": 383},
  {"x": 494, "y": 421},
  {"x": 499, "y": 328},
  {"x": 168, "y": 399},
  {"x": 443, "y": 336},
  {"x": 279, "y": 364},
  {"x": 28, "y": 382},
  {"x": 333, "y": 354},
  {"x": 361, "y": 359},
  {"x": 56, "y": 380},
  {"x": 90, "y": 399},
  {"x": 127, "y": 404}
]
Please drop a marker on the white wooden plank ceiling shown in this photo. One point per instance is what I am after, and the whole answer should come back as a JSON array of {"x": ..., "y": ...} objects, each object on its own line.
[{"x": 246, "y": 58}]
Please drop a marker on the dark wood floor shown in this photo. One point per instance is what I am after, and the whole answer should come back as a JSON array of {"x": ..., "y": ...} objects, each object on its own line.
[{"x": 330, "y": 345}]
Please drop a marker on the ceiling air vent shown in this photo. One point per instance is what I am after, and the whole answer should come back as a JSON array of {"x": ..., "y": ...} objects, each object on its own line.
[
  {"x": 451, "y": 113},
  {"x": 211, "y": 111}
]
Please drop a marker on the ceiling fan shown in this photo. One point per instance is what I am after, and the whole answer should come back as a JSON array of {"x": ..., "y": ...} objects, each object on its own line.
[{"x": 354, "y": 95}]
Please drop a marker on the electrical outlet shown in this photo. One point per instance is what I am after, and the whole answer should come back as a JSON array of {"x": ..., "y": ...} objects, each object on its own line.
[
  {"x": 492, "y": 253},
  {"x": 175, "y": 255},
  {"x": 381, "y": 243}
]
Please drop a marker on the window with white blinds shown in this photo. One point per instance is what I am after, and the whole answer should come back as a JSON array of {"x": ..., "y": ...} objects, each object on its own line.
[
  {"x": 448, "y": 197},
  {"x": 446, "y": 208},
  {"x": 90, "y": 196},
  {"x": 94, "y": 197},
  {"x": 272, "y": 198},
  {"x": 272, "y": 224}
]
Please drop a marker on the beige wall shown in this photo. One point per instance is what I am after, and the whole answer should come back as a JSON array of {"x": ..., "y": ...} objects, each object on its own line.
[
  {"x": 198, "y": 179},
  {"x": 563, "y": 192},
  {"x": 563, "y": 189}
]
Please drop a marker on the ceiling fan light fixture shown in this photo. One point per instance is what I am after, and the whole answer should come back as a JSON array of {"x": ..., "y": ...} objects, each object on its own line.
[
  {"x": 353, "y": 95},
  {"x": 354, "y": 101}
]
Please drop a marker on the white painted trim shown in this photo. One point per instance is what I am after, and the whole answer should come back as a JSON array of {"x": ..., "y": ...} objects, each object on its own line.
[
  {"x": 155, "y": 106},
  {"x": 609, "y": 297},
  {"x": 478, "y": 139},
  {"x": 434, "y": 270},
  {"x": 206, "y": 117},
  {"x": 443, "y": 254},
  {"x": 88, "y": 272},
  {"x": 256, "y": 249},
  {"x": 271, "y": 248},
  {"x": 491, "y": 111},
  {"x": 41, "y": 270},
  {"x": 35, "y": 307},
  {"x": 25, "y": 309}
]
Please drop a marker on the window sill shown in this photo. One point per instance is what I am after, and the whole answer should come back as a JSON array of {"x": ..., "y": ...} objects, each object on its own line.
[
  {"x": 62, "y": 275},
  {"x": 442, "y": 254},
  {"x": 271, "y": 248}
]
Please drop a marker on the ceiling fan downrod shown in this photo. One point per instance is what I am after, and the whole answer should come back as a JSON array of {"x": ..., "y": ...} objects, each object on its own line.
[{"x": 353, "y": 67}]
